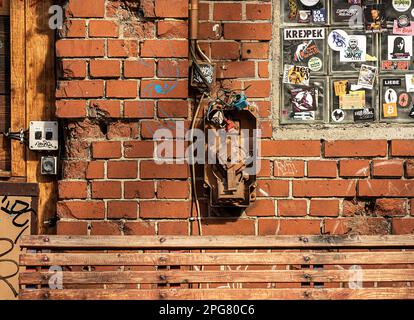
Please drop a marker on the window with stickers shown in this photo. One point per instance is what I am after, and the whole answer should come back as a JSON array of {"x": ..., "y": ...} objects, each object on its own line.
[{"x": 347, "y": 61}]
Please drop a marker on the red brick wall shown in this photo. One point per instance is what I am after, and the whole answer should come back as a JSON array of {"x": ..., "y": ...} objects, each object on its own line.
[{"x": 112, "y": 51}]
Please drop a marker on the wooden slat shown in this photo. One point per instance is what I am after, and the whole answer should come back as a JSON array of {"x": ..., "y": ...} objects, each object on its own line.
[
  {"x": 191, "y": 242},
  {"x": 18, "y": 83},
  {"x": 220, "y": 294},
  {"x": 166, "y": 259},
  {"x": 182, "y": 276}
]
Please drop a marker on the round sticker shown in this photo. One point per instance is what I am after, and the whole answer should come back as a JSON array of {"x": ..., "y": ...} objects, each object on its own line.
[
  {"x": 391, "y": 96},
  {"x": 403, "y": 21},
  {"x": 315, "y": 64},
  {"x": 309, "y": 3},
  {"x": 338, "y": 115},
  {"x": 401, "y": 5},
  {"x": 404, "y": 100},
  {"x": 338, "y": 39}
]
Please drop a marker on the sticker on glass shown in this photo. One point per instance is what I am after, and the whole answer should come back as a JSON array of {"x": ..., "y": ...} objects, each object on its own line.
[
  {"x": 401, "y": 5},
  {"x": 319, "y": 16},
  {"x": 352, "y": 100},
  {"x": 341, "y": 87},
  {"x": 315, "y": 64},
  {"x": 355, "y": 50},
  {"x": 411, "y": 114},
  {"x": 409, "y": 82},
  {"x": 293, "y": 10},
  {"x": 304, "y": 16},
  {"x": 391, "y": 82},
  {"x": 367, "y": 114},
  {"x": 390, "y": 110},
  {"x": 390, "y": 96},
  {"x": 395, "y": 65},
  {"x": 304, "y": 99},
  {"x": 338, "y": 115},
  {"x": 309, "y": 3},
  {"x": 304, "y": 34},
  {"x": 401, "y": 29},
  {"x": 304, "y": 116},
  {"x": 305, "y": 50},
  {"x": 375, "y": 20},
  {"x": 367, "y": 75},
  {"x": 400, "y": 47},
  {"x": 337, "y": 40},
  {"x": 296, "y": 75},
  {"x": 404, "y": 100}
]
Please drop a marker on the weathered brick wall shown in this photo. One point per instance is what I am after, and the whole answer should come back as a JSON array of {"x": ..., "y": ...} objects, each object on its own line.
[{"x": 112, "y": 52}]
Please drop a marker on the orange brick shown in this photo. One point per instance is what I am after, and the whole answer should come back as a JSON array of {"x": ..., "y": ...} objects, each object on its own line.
[{"x": 292, "y": 208}]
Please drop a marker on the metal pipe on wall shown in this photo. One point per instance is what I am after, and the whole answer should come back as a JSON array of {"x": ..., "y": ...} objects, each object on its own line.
[{"x": 194, "y": 19}]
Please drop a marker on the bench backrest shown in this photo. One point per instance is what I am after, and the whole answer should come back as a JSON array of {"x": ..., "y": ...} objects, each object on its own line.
[{"x": 217, "y": 267}]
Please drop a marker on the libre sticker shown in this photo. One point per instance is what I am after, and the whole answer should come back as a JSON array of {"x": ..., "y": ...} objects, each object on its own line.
[
  {"x": 315, "y": 64},
  {"x": 355, "y": 50},
  {"x": 296, "y": 75},
  {"x": 404, "y": 99},
  {"x": 352, "y": 100},
  {"x": 367, "y": 76},
  {"x": 338, "y": 40},
  {"x": 390, "y": 110},
  {"x": 367, "y": 114},
  {"x": 391, "y": 82},
  {"x": 390, "y": 96},
  {"x": 338, "y": 115},
  {"x": 409, "y": 82},
  {"x": 401, "y": 5},
  {"x": 400, "y": 47}
]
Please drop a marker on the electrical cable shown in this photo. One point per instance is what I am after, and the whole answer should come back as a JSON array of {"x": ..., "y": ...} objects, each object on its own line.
[{"x": 193, "y": 177}]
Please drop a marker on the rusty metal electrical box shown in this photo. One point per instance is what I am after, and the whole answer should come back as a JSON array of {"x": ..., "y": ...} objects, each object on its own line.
[{"x": 230, "y": 167}]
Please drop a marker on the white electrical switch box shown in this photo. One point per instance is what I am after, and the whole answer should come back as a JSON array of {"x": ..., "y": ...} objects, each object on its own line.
[{"x": 43, "y": 135}]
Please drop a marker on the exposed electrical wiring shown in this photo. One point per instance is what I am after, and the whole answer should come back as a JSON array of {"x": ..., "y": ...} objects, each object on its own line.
[{"x": 193, "y": 177}]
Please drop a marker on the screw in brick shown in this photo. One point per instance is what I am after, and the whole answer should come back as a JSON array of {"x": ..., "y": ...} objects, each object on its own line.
[
  {"x": 162, "y": 240},
  {"x": 163, "y": 295},
  {"x": 163, "y": 278},
  {"x": 305, "y": 240},
  {"x": 306, "y": 294},
  {"x": 45, "y": 259},
  {"x": 46, "y": 239},
  {"x": 163, "y": 259},
  {"x": 306, "y": 258}
]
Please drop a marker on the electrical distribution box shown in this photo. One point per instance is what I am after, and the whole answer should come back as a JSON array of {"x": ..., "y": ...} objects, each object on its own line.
[{"x": 43, "y": 136}]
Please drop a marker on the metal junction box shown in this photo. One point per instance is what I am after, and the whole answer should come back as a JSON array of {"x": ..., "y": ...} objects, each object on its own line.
[{"x": 43, "y": 135}]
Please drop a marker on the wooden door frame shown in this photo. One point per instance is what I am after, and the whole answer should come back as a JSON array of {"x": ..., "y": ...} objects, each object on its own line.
[{"x": 33, "y": 95}]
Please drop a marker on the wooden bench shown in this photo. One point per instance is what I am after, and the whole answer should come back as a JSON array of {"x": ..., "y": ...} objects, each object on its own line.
[{"x": 218, "y": 267}]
